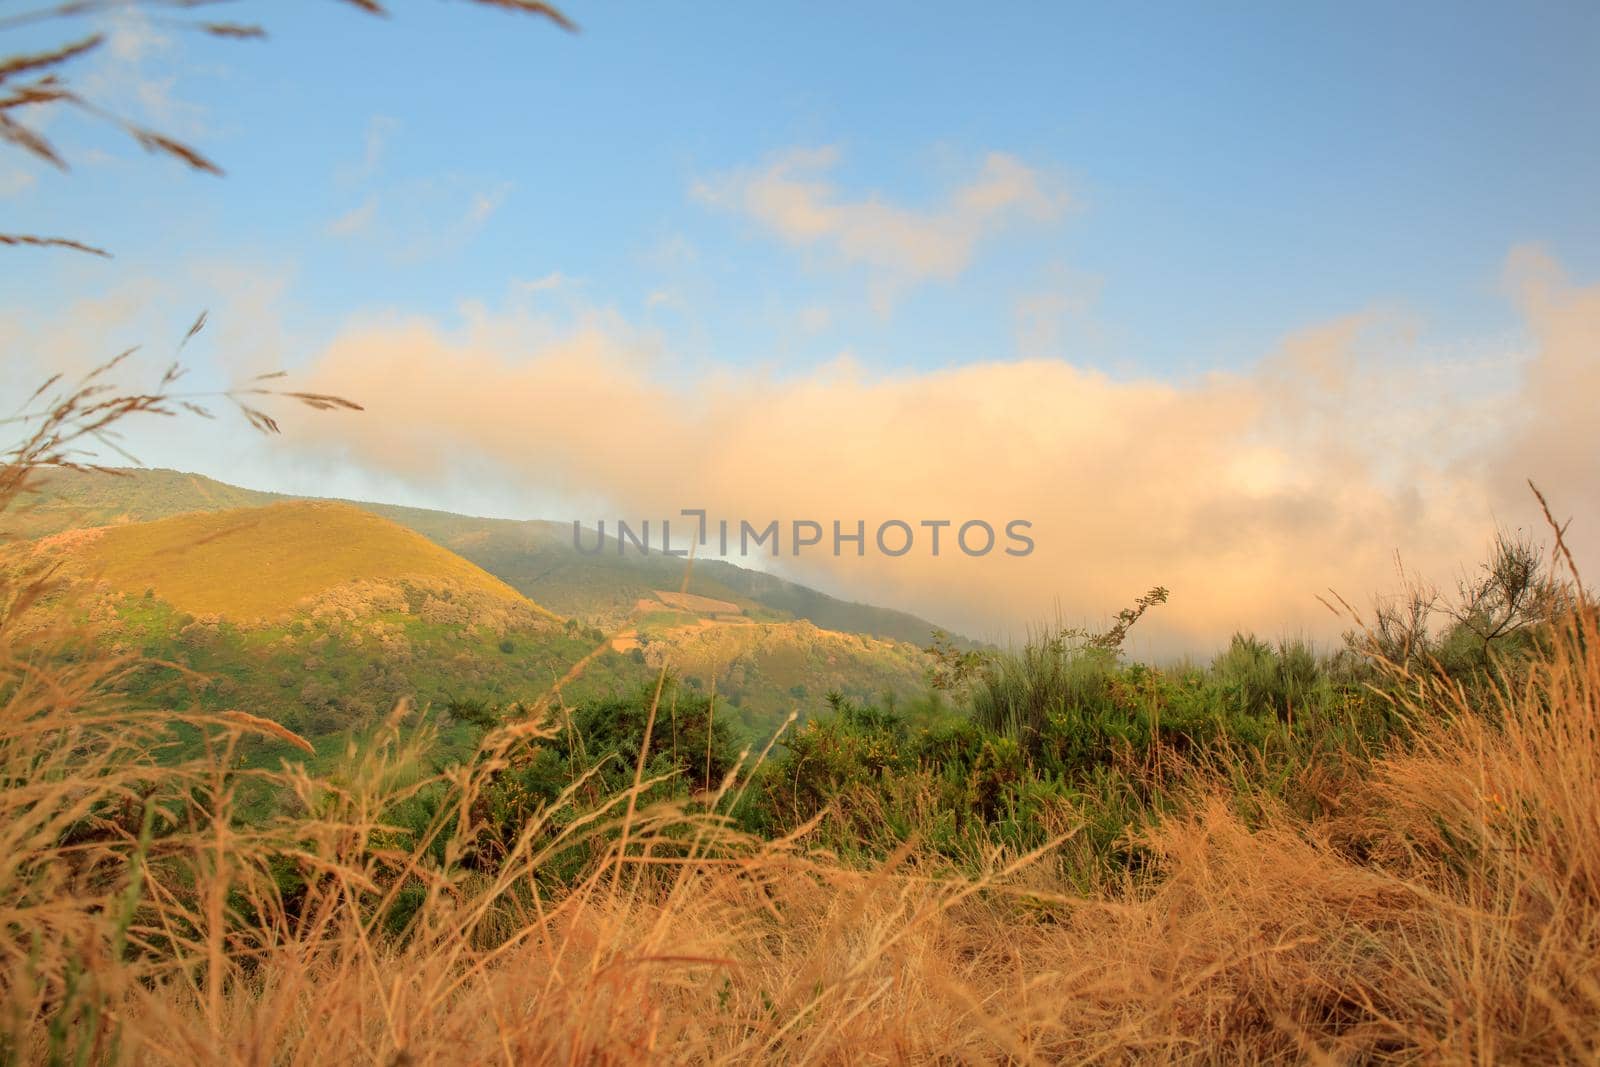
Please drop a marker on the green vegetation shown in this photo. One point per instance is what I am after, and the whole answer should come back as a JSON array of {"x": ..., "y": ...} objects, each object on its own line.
[
  {"x": 65, "y": 499},
  {"x": 755, "y": 670},
  {"x": 1111, "y": 748},
  {"x": 534, "y": 557},
  {"x": 272, "y": 571},
  {"x": 1325, "y": 839},
  {"x": 259, "y": 563},
  {"x": 1011, "y": 750},
  {"x": 323, "y": 640},
  {"x": 336, "y": 668},
  {"x": 1001, "y": 749}
]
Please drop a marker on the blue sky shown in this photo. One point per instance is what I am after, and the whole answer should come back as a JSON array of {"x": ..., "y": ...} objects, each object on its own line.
[
  {"x": 1244, "y": 298},
  {"x": 1233, "y": 171}
]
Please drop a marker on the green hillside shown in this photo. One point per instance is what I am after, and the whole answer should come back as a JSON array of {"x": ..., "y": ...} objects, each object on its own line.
[
  {"x": 260, "y": 562},
  {"x": 535, "y": 557},
  {"x": 320, "y": 615},
  {"x": 766, "y": 670},
  {"x": 67, "y": 500}
]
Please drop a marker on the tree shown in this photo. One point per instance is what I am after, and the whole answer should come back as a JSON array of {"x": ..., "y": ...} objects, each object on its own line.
[
  {"x": 1497, "y": 608},
  {"x": 1509, "y": 594}
]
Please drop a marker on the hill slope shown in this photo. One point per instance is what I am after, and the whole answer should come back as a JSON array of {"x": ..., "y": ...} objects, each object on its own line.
[
  {"x": 69, "y": 500},
  {"x": 254, "y": 563},
  {"x": 535, "y": 557},
  {"x": 320, "y": 615},
  {"x": 767, "y": 670}
]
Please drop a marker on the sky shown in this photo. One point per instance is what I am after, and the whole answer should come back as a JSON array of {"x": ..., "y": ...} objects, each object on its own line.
[{"x": 1243, "y": 299}]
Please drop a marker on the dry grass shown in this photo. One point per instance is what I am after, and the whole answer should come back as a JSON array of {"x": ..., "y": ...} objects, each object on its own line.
[
  {"x": 1449, "y": 911},
  {"x": 254, "y": 563}
]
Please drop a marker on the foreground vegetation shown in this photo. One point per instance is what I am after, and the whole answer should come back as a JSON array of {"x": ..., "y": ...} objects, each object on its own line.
[{"x": 1388, "y": 854}]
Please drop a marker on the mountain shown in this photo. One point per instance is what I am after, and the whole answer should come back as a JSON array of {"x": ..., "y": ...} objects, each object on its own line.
[
  {"x": 317, "y": 615},
  {"x": 322, "y": 614},
  {"x": 535, "y": 557},
  {"x": 261, "y": 562},
  {"x": 67, "y": 500}
]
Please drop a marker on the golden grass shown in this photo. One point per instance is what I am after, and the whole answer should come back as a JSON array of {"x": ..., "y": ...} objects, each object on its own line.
[
  {"x": 253, "y": 563},
  {"x": 1448, "y": 912}
]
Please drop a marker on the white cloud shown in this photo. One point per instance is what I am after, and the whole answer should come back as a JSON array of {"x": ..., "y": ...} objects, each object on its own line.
[
  {"x": 123, "y": 74},
  {"x": 815, "y": 319},
  {"x": 1247, "y": 494},
  {"x": 423, "y": 219},
  {"x": 484, "y": 204},
  {"x": 546, "y": 283},
  {"x": 793, "y": 198},
  {"x": 16, "y": 181},
  {"x": 356, "y": 221},
  {"x": 1056, "y": 316},
  {"x": 375, "y": 142}
]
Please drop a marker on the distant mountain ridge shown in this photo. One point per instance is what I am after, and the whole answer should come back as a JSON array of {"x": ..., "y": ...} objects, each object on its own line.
[
  {"x": 533, "y": 556},
  {"x": 321, "y": 614}
]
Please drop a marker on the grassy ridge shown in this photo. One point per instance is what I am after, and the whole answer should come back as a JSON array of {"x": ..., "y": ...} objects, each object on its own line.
[
  {"x": 70, "y": 500},
  {"x": 252, "y": 563},
  {"x": 765, "y": 671},
  {"x": 318, "y": 615},
  {"x": 535, "y": 557}
]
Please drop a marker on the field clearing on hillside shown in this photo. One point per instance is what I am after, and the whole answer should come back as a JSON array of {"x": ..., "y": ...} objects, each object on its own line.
[{"x": 702, "y": 605}]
